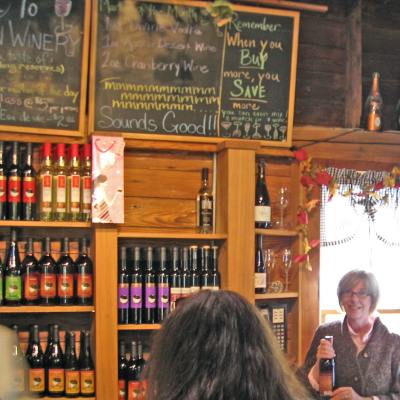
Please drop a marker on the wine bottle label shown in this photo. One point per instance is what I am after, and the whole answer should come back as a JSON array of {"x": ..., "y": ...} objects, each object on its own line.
[
  {"x": 65, "y": 286},
  {"x": 56, "y": 380},
  {"x": 186, "y": 292},
  {"x": 3, "y": 189},
  {"x": 14, "y": 189},
  {"x": 262, "y": 213},
  {"x": 72, "y": 382},
  {"x": 31, "y": 286},
  {"x": 163, "y": 295},
  {"x": 87, "y": 382},
  {"x": 194, "y": 289},
  {"x": 48, "y": 284},
  {"x": 85, "y": 286},
  {"x": 136, "y": 295},
  {"x": 29, "y": 190},
  {"x": 1, "y": 289},
  {"x": 121, "y": 390},
  {"x": 75, "y": 193},
  {"x": 175, "y": 294},
  {"x": 47, "y": 188},
  {"x": 87, "y": 194},
  {"x": 260, "y": 280},
  {"x": 36, "y": 380},
  {"x": 134, "y": 390},
  {"x": 61, "y": 193},
  {"x": 123, "y": 295},
  {"x": 150, "y": 295},
  {"x": 13, "y": 288}
]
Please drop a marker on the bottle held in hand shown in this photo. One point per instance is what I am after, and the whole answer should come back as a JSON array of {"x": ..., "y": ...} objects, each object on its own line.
[{"x": 326, "y": 374}]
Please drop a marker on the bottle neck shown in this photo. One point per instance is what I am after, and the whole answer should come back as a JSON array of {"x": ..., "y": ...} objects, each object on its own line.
[
  {"x": 149, "y": 265},
  {"x": 163, "y": 259},
  {"x": 74, "y": 163},
  {"x": 375, "y": 84}
]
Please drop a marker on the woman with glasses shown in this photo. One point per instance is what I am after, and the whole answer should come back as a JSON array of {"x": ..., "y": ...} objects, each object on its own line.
[{"x": 367, "y": 355}]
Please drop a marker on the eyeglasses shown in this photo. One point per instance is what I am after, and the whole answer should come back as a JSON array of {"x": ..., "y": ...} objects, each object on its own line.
[{"x": 362, "y": 294}]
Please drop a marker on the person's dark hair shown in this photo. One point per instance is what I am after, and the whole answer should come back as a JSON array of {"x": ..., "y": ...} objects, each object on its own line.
[
  {"x": 217, "y": 346},
  {"x": 352, "y": 278}
]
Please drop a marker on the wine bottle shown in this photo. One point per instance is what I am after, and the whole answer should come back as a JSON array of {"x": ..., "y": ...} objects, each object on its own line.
[
  {"x": 133, "y": 383},
  {"x": 373, "y": 108},
  {"x": 60, "y": 185},
  {"x": 185, "y": 273},
  {"x": 35, "y": 358},
  {"x": 86, "y": 366},
  {"x": 150, "y": 295},
  {"x": 48, "y": 279},
  {"x": 3, "y": 185},
  {"x": 45, "y": 184},
  {"x": 65, "y": 270},
  {"x": 84, "y": 280},
  {"x": 136, "y": 290},
  {"x": 28, "y": 178},
  {"x": 74, "y": 184},
  {"x": 194, "y": 270},
  {"x": 122, "y": 367},
  {"x": 175, "y": 279},
  {"x": 326, "y": 374},
  {"x": 205, "y": 204},
  {"x": 260, "y": 273},
  {"x": 215, "y": 275},
  {"x": 55, "y": 366},
  {"x": 162, "y": 287},
  {"x": 86, "y": 186},
  {"x": 30, "y": 276},
  {"x": 123, "y": 288},
  {"x": 14, "y": 186},
  {"x": 140, "y": 364},
  {"x": 205, "y": 280},
  {"x": 18, "y": 367},
  {"x": 12, "y": 272},
  {"x": 1, "y": 283},
  {"x": 262, "y": 210},
  {"x": 71, "y": 367}
]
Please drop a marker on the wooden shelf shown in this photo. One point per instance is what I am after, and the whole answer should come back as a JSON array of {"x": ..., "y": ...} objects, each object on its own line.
[
  {"x": 141, "y": 327},
  {"x": 45, "y": 224},
  {"x": 68, "y": 398},
  {"x": 274, "y": 296},
  {"x": 129, "y": 233},
  {"x": 277, "y": 232},
  {"x": 44, "y": 309}
]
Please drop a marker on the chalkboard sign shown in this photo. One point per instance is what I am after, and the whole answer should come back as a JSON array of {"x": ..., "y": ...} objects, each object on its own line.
[
  {"x": 43, "y": 64},
  {"x": 167, "y": 68}
]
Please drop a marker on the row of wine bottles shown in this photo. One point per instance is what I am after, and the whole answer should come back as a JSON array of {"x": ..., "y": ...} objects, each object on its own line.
[
  {"x": 61, "y": 190},
  {"x": 130, "y": 367},
  {"x": 147, "y": 296},
  {"x": 54, "y": 372},
  {"x": 46, "y": 281}
]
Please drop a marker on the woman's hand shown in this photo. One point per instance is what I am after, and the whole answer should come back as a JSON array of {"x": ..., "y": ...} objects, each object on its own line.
[
  {"x": 325, "y": 350},
  {"x": 346, "y": 393}
]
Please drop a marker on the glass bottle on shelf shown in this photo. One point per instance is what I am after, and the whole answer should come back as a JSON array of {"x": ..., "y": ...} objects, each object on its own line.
[
  {"x": 260, "y": 273},
  {"x": 18, "y": 370},
  {"x": 123, "y": 288},
  {"x": 66, "y": 272},
  {"x": 12, "y": 273},
  {"x": 122, "y": 367},
  {"x": 72, "y": 376},
  {"x": 14, "y": 186},
  {"x": 1, "y": 283},
  {"x": 45, "y": 184},
  {"x": 30, "y": 276},
  {"x": 3, "y": 184},
  {"x": 215, "y": 275},
  {"x": 205, "y": 280},
  {"x": 205, "y": 204},
  {"x": 194, "y": 270},
  {"x": 86, "y": 184},
  {"x": 132, "y": 381},
  {"x": 74, "y": 184},
  {"x": 136, "y": 290},
  {"x": 185, "y": 273},
  {"x": 55, "y": 366},
  {"x": 140, "y": 364},
  {"x": 86, "y": 366},
  {"x": 84, "y": 275},
  {"x": 175, "y": 279},
  {"x": 35, "y": 358},
  {"x": 28, "y": 178},
  {"x": 48, "y": 279},
  {"x": 60, "y": 185},
  {"x": 373, "y": 107},
  {"x": 150, "y": 295},
  {"x": 162, "y": 287},
  {"x": 262, "y": 211}
]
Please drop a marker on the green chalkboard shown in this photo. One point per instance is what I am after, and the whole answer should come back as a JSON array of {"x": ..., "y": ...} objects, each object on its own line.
[
  {"x": 43, "y": 64},
  {"x": 167, "y": 68}
]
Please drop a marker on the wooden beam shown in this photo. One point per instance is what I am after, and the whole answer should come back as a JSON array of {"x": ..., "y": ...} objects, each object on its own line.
[{"x": 294, "y": 5}]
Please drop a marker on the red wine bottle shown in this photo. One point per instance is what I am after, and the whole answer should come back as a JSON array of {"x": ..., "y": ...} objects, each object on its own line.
[
  {"x": 262, "y": 210},
  {"x": 65, "y": 268},
  {"x": 86, "y": 367},
  {"x": 136, "y": 290},
  {"x": 30, "y": 276},
  {"x": 150, "y": 295},
  {"x": 28, "y": 181},
  {"x": 35, "y": 358},
  {"x": 326, "y": 374},
  {"x": 205, "y": 280},
  {"x": 175, "y": 279},
  {"x": 122, "y": 366},
  {"x": 185, "y": 273},
  {"x": 140, "y": 364},
  {"x": 48, "y": 279},
  {"x": 71, "y": 367},
  {"x": 55, "y": 367},
  {"x": 84, "y": 281},
  {"x": 260, "y": 273},
  {"x": 14, "y": 186},
  {"x": 3, "y": 185},
  {"x": 123, "y": 288},
  {"x": 194, "y": 270},
  {"x": 132, "y": 378},
  {"x": 215, "y": 275},
  {"x": 12, "y": 272},
  {"x": 163, "y": 295}
]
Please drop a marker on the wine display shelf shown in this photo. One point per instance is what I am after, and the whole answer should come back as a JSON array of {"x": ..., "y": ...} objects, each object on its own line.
[
  {"x": 44, "y": 309},
  {"x": 128, "y": 233},
  {"x": 277, "y": 232},
  {"x": 139, "y": 327},
  {"x": 277, "y": 296},
  {"x": 68, "y": 398},
  {"x": 45, "y": 224}
]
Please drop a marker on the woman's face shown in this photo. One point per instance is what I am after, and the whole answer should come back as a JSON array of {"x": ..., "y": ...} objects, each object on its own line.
[{"x": 357, "y": 303}]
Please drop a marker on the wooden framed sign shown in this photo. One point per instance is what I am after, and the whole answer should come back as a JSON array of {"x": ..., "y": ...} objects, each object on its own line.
[
  {"x": 43, "y": 64},
  {"x": 166, "y": 68}
]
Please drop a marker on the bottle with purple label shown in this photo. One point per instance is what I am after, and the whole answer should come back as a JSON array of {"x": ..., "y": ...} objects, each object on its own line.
[
  {"x": 123, "y": 288},
  {"x": 162, "y": 287},
  {"x": 136, "y": 292},
  {"x": 150, "y": 297}
]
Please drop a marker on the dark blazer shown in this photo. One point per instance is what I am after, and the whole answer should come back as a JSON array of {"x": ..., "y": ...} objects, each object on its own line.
[{"x": 375, "y": 371}]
